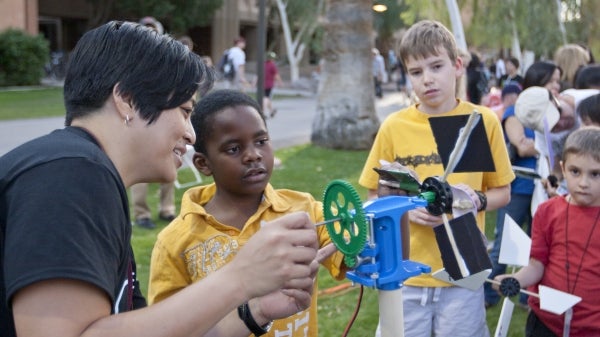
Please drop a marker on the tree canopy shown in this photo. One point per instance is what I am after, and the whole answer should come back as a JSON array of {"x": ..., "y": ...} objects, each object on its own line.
[
  {"x": 177, "y": 15},
  {"x": 489, "y": 23}
]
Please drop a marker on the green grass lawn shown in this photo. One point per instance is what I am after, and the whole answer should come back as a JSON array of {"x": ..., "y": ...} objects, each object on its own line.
[
  {"x": 34, "y": 103},
  {"x": 305, "y": 168}
]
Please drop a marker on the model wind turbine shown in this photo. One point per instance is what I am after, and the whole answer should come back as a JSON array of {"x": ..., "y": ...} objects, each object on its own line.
[
  {"x": 464, "y": 255},
  {"x": 369, "y": 236},
  {"x": 514, "y": 251},
  {"x": 472, "y": 269}
]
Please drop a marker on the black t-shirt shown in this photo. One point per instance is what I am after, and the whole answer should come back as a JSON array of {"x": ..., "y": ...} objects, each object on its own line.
[
  {"x": 506, "y": 80},
  {"x": 64, "y": 214}
]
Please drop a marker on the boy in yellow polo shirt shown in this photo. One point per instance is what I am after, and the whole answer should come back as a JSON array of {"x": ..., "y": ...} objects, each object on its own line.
[{"x": 233, "y": 147}]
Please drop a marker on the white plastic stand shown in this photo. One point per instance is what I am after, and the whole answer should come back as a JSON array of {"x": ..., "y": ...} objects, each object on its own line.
[{"x": 391, "y": 314}]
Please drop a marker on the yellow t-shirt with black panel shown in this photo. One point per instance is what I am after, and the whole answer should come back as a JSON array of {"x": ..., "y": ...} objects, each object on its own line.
[{"x": 406, "y": 135}]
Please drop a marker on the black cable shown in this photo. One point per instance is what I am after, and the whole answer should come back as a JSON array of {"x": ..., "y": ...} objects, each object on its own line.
[{"x": 356, "y": 310}]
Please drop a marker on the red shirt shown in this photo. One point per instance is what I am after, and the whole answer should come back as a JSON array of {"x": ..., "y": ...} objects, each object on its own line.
[
  {"x": 270, "y": 73},
  {"x": 549, "y": 246}
]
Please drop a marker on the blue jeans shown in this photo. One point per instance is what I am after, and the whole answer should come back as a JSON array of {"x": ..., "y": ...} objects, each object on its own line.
[{"x": 519, "y": 209}]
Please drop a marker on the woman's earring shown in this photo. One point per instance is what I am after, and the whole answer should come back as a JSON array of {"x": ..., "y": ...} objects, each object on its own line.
[{"x": 127, "y": 120}]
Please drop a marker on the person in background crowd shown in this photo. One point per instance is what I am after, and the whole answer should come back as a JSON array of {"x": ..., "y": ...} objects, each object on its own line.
[
  {"x": 152, "y": 23},
  {"x": 508, "y": 97},
  {"x": 208, "y": 61},
  {"x": 512, "y": 74},
  {"x": 238, "y": 57},
  {"x": 272, "y": 78},
  {"x": 500, "y": 67},
  {"x": 588, "y": 77},
  {"x": 587, "y": 83},
  {"x": 378, "y": 70},
  {"x": 520, "y": 141},
  {"x": 537, "y": 109},
  {"x": 187, "y": 41},
  {"x": 547, "y": 74},
  {"x": 589, "y": 111},
  {"x": 569, "y": 59},
  {"x": 142, "y": 213},
  {"x": 461, "y": 82},
  {"x": 477, "y": 81}
]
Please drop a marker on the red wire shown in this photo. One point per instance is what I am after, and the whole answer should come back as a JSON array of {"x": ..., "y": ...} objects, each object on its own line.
[{"x": 353, "y": 318}]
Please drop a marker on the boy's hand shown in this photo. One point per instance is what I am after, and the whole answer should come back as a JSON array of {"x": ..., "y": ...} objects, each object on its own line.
[
  {"x": 280, "y": 255},
  {"x": 420, "y": 216},
  {"x": 550, "y": 185},
  {"x": 498, "y": 280},
  {"x": 286, "y": 302},
  {"x": 395, "y": 166},
  {"x": 470, "y": 192},
  {"x": 281, "y": 303},
  {"x": 326, "y": 251},
  {"x": 387, "y": 184}
]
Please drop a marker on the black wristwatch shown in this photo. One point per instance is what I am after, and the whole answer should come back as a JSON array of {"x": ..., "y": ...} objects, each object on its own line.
[
  {"x": 482, "y": 201},
  {"x": 246, "y": 317}
]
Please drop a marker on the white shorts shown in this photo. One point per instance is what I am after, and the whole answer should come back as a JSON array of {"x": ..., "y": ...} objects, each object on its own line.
[{"x": 443, "y": 312}]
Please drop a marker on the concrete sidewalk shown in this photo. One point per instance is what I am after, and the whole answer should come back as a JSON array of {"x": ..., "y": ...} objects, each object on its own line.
[{"x": 291, "y": 126}]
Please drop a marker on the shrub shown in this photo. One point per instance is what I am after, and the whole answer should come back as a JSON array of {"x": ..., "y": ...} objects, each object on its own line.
[{"x": 22, "y": 58}]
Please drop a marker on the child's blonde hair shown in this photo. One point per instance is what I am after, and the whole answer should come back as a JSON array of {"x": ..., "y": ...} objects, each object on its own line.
[
  {"x": 426, "y": 38},
  {"x": 584, "y": 141}
]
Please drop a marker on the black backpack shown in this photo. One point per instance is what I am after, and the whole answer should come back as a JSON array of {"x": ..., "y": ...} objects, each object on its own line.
[
  {"x": 226, "y": 66},
  {"x": 482, "y": 83}
]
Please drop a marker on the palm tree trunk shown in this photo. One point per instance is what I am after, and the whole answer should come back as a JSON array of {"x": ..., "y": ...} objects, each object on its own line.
[{"x": 346, "y": 116}]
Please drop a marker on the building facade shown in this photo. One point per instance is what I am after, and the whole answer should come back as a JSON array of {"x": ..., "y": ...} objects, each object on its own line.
[{"x": 63, "y": 22}]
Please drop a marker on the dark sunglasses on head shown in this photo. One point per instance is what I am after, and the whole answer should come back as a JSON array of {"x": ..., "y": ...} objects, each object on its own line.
[{"x": 556, "y": 102}]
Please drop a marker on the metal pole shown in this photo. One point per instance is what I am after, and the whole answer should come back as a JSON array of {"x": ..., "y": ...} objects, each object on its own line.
[
  {"x": 457, "y": 27},
  {"x": 260, "y": 54}
]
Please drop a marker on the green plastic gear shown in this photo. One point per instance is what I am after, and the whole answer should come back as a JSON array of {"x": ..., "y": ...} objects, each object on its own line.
[
  {"x": 349, "y": 231},
  {"x": 350, "y": 261}
]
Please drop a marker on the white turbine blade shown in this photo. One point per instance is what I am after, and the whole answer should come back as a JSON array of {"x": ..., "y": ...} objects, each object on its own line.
[
  {"x": 556, "y": 301},
  {"x": 472, "y": 282},
  {"x": 515, "y": 244},
  {"x": 505, "y": 317}
]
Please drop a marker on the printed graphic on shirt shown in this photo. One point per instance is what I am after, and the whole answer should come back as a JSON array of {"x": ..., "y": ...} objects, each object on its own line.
[
  {"x": 295, "y": 326},
  {"x": 121, "y": 301},
  {"x": 218, "y": 250},
  {"x": 415, "y": 161},
  {"x": 210, "y": 255}
]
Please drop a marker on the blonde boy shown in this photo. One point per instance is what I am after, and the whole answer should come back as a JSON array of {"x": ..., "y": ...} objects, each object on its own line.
[{"x": 433, "y": 307}]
